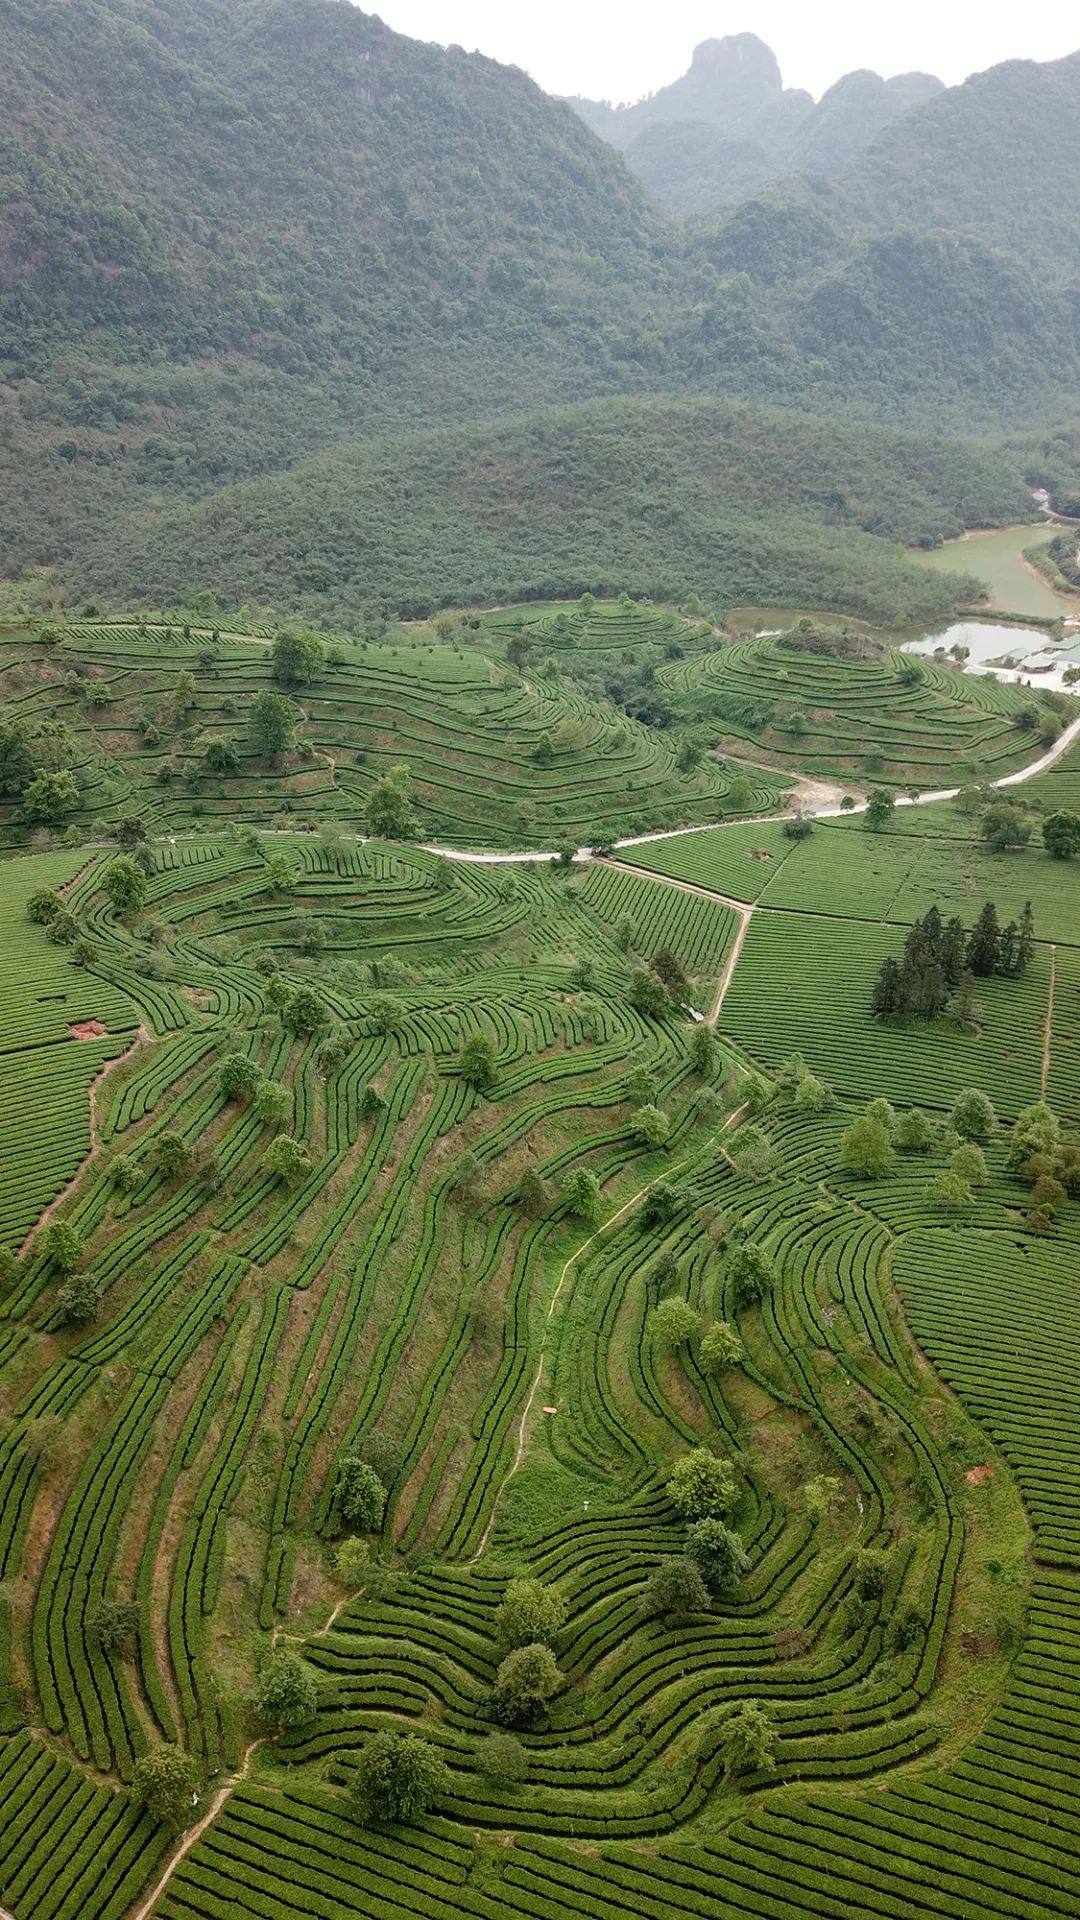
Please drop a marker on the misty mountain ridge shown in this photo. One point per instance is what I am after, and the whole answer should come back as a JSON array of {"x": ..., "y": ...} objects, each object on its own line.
[{"x": 728, "y": 127}]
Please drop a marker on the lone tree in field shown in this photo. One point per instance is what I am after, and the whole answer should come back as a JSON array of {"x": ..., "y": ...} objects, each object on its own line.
[
  {"x": 286, "y": 1693},
  {"x": 389, "y": 810},
  {"x": 674, "y": 1588},
  {"x": 646, "y": 994},
  {"x": 62, "y": 1244},
  {"x": 166, "y": 1782},
  {"x": 476, "y": 1063},
  {"x": 880, "y": 808},
  {"x": 48, "y": 796},
  {"x": 502, "y": 1760},
  {"x": 866, "y": 1148},
  {"x": 749, "y": 1741},
  {"x": 668, "y": 970},
  {"x": 359, "y": 1495},
  {"x": 749, "y": 1272},
  {"x": 652, "y": 1128},
  {"x": 702, "y": 1486},
  {"x": 297, "y": 657},
  {"x": 113, "y": 1625},
  {"x": 78, "y": 1300},
  {"x": 171, "y": 1156},
  {"x": 287, "y": 1159},
  {"x": 271, "y": 724},
  {"x": 525, "y": 1682},
  {"x": 303, "y": 1011},
  {"x": 703, "y": 1051},
  {"x": 673, "y": 1322},
  {"x": 238, "y": 1076},
  {"x": 398, "y": 1777},
  {"x": 125, "y": 884},
  {"x": 1004, "y": 827},
  {"x": 721, "y": 1347},
  {"x": 1061, "y": 834},
  {"x": 581, "y": 1192},
  {"x": 528, "y": 1612},
  {"x": 718, "y": 1553},
  {"x": 973, "y": 1115},
  {"x": 914, "y": 1131}
]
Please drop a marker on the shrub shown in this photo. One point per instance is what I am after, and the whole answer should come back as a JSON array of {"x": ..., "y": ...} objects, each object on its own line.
[
  {"x": 398, "y": 1777},
  {"x": 528, "y": 1613},
  {"x": 748, "y": 1741},
  {"x": 525, "y": 1681},
  {"x": 673, "y": 1321},
  {"x": 502, "y": 1760},
  {"x": 286, "y": 1693},
  {"x": 702, "y": 1486},
  {"x": 718, "y": 1553},
  {"x": 674, "y": 1587},
  {"x": 165, "y": 1783},
  {"x": 359, "y": 1495}
]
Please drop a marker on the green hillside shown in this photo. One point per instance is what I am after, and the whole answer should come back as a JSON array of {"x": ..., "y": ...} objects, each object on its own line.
[{"x": 660, "y": 496}]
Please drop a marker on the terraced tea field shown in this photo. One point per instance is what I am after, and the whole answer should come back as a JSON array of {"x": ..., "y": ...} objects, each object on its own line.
[
  {"x": 469, "y": 727},
  {"x": 887, "y": 717},
  {"x": 409, "y": 1167}
]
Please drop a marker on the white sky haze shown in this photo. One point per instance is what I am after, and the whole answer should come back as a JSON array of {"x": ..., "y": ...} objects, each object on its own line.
[{"x": 621, "y": 49}]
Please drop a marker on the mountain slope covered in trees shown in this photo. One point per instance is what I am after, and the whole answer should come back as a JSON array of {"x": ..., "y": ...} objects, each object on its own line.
[
  {"x": 237, "y": 236},
  {"x": 663, "y": 497}
]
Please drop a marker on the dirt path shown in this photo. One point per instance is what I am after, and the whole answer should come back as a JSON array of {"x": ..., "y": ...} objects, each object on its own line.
[
  {"x": 1048, "y": 1030},
  {"x": 194, "y": 1834},
  {"x": 142, "y": 1035},
  {"x": 728, "y": 974}
]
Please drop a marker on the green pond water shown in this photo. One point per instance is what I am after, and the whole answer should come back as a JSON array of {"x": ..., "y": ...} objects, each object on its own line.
[{"x": 996, "y": 558}]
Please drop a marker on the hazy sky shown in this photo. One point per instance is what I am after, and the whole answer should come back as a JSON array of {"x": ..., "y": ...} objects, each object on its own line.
[{"x": 609, "y": 50}]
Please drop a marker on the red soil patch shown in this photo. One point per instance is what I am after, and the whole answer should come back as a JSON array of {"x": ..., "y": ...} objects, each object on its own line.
[
  {"x": 976, "y": 1475},
  {"x": 87, "y": 1030}
]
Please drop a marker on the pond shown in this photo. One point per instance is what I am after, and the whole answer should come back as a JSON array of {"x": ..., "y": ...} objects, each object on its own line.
[{"x": 997, "y": 558}]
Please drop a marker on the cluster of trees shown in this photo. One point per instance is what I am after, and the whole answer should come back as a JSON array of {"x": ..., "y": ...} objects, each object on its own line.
[
  {"x": 1008, "y": 828},
  {"x": 1050, "y": 1165},
  {"x": 38, "y": 758},
  {"x": 940, "y": 963},
  {"x": 869, "y": 1145}
]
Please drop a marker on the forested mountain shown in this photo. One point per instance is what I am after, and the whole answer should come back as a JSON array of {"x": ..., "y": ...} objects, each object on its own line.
[
  {"x": 729, "y": 126},
  {"x": 236, "y": 234},
  {"x": 660, "y": 496}
]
